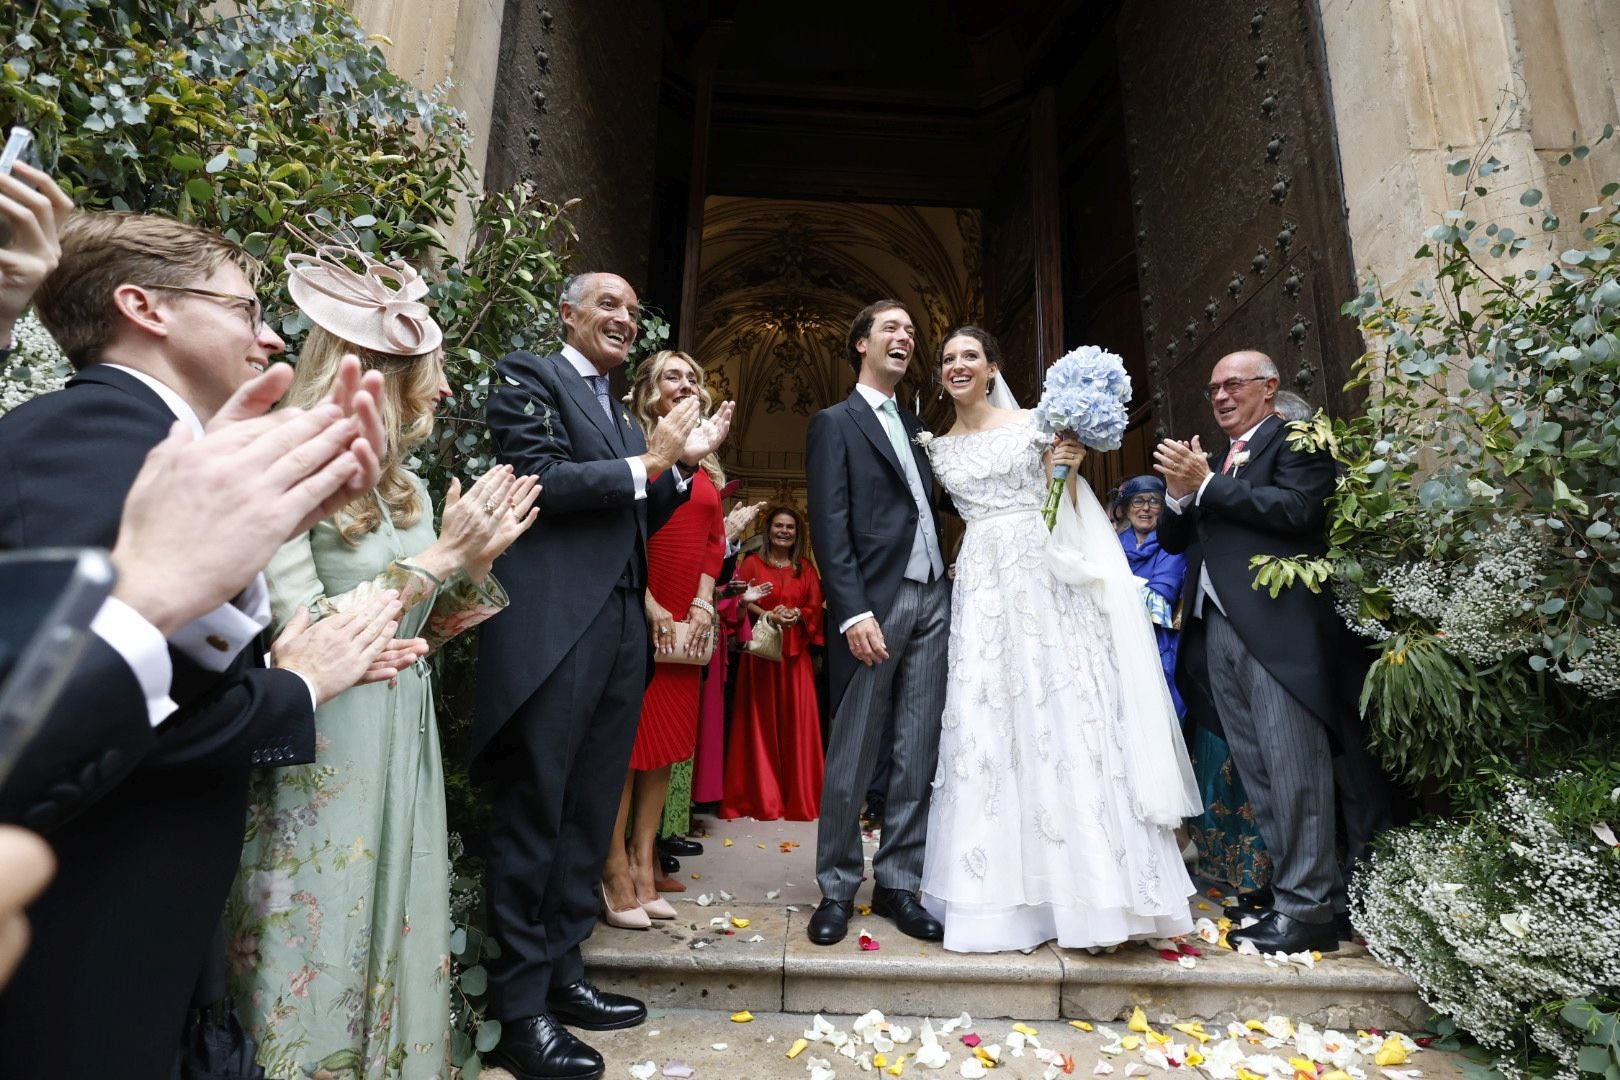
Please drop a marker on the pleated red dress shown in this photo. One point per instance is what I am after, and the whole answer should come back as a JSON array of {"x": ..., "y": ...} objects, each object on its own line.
[
  {"x": 774, "y": 761},
  {"x": 691, "y": 543}
]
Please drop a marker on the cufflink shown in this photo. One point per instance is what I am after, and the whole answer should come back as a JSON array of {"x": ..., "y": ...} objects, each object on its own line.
[{"x": 217, "y": 643}]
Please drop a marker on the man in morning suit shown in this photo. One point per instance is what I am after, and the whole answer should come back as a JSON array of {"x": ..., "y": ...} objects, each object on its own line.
[
  {"x": 1269, "y": 662},
  {"x": 560, "y": 679},
  {"x": 876, "y": 536},
  {"x": 160, "y": 323}
]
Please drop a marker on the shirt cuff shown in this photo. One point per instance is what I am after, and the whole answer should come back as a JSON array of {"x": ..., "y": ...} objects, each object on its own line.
[
  {"x": 142, "y": 646},
  {"x": 213, "y": 640},
  {"x": 1198, "y": 496},
  {"x": 1179, "y": 505},
  {"x": 314, "y": 701},
  {"x": 843, "y": 627},
  {"x": 682, "y": 481},
  {"x": 638, "y": 476}
]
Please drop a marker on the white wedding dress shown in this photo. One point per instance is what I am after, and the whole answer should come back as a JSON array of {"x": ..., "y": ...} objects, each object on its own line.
[{"x": 1033, "y": 831}]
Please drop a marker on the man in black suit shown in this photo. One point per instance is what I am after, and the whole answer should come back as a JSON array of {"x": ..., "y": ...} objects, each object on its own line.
[
  {"x": 875, "y": 531},
  {"x": 159, "y": 320},
  {"x": 1268, "y": 663},
  {"x": 560, "y": 678}
]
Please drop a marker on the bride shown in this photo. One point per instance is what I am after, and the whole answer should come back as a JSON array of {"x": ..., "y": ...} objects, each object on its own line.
[{"x": 1061, "y": 773}]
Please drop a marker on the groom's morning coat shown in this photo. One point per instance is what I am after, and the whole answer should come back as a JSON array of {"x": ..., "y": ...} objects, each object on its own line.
[{"x": 862, "y": 518}]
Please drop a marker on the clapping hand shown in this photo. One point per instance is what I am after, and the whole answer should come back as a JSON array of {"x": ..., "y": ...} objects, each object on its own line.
[
  {"x": 754, "y": 593},
  {"x": 1182, "y": 464},
  {"x": 782, "y": 615},
  {"x": 339, "y": 651},
  {"x": 497, "y": 509},
  {"x": 707, "y": 436},
  {"x": 740, "y": 518},
  {"x": 26, "y": 866}
]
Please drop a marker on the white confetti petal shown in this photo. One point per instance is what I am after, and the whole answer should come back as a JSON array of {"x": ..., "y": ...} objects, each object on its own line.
[{"x": 645, "y": 1070}]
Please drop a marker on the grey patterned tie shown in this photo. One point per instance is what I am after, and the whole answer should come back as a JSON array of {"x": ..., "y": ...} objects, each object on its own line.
[{"x": 599, "y": 383}]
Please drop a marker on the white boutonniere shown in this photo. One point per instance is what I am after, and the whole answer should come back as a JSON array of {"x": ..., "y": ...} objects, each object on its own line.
[
  {"x": 923, "y": 438},
  {"x": 1240, "y": 459}
]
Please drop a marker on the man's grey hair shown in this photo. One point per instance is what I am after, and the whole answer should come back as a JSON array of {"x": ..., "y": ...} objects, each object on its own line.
[
  {"x": 573, "y": 290},
  {"x": 1290, "y": 406}
]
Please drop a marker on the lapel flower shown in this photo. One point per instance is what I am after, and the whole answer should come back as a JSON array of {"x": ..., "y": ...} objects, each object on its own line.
[
  {"x": 1240, "y": 459},
  {"x": 923, "y": 438}
]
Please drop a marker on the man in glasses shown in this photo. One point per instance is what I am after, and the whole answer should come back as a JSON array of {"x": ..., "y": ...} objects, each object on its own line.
[
  {"x": 1266, "y": 662},
  {"x": 142, "y": 790}
]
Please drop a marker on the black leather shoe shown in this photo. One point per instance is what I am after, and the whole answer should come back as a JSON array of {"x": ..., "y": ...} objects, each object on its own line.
[
  {"x": 539, "y": 1048},
  {"x": 873, "y": 814},
  {"x": 1342, "y": 926},
  {"x": 1256, "y": 902},
  {"x": 668, "y": 863},
  {"x": 1277, "y": 932},
  {"x": 909, "y": 915},
  {"x": 830, "y": 922},
  {"x": 584, "y": 1006},
  {"x": 681, "y": 846}
]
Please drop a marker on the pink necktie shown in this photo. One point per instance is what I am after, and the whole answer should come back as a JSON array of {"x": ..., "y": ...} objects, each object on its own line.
[{"x": 1231, "y": 456}]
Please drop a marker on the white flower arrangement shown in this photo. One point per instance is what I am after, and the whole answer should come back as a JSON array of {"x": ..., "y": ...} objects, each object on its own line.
[
  {"x": 1239, "y": 459},
  {"x": 923, "y": 438},
  {"x": 1497, "y": 922},
  {"x": 36, "y": 365}
]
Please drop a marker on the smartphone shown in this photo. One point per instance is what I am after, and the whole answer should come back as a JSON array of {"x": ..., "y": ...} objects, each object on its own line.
[
  {"x": 49, "y": 599},
  {"x": 16, "y": 143}
]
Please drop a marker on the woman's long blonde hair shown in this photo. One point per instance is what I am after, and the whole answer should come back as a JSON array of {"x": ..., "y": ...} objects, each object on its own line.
[
  {"x": 410, "y": 394},
  {"x": 644, "y": 398}
]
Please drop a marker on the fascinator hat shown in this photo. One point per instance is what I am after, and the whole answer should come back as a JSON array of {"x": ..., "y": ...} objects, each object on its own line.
[{"x": 378, "y": 308}]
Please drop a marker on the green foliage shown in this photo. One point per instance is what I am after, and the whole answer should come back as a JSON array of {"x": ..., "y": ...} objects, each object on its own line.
[
  {"x": 281, "y": 114},
  {"x": 1473, "y": 529}
]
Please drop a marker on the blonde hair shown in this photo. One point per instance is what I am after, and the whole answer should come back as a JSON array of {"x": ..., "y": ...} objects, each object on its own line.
[
  {"x": 103, "y": 249},
  {"x": 410, "y": 394},
  {"x": 644, "y": 400}
]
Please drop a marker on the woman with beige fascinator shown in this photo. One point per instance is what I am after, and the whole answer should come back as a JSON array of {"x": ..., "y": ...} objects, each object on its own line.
[{"x": 338, "y": 928}]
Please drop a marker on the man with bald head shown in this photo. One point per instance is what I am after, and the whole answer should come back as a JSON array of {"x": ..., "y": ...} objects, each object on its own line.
[
  {"x": 1268, "y": 661},
  {"x": 560, "y": 683}
]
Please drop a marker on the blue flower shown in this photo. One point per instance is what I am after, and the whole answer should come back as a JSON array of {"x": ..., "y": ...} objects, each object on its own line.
[{"x": 1085, "y": 394}]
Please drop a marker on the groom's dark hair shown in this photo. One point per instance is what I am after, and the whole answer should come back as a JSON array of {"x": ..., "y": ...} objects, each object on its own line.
[{"x": 861, "y": 328}]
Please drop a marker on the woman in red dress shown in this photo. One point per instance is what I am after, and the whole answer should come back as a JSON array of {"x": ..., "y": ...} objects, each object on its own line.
[
  {"x": 774, "y": 761},
  {"x": 683, "y": 559}
]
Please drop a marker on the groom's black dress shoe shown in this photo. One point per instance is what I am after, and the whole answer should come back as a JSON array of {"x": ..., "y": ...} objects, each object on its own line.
[
  {"x": 539, "y": 1048},
  {"x": 1342, "y": 926},
  {"x": 584, "y": 1006},
  {"x": 910, "y": 916},
  {"x": 668, "y": 863},
  {"x": 830, "y": 922},
  {"x": 1257, "y": 902},
  {"x": 1276, "y": 932},
  {"x": 680, "y": 846}
]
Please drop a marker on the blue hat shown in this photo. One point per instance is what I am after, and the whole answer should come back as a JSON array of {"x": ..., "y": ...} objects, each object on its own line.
[{"x": 1141, "y": 485}]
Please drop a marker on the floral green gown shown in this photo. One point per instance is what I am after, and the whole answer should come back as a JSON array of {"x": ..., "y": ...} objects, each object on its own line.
[{"x": 338, "y": 926}]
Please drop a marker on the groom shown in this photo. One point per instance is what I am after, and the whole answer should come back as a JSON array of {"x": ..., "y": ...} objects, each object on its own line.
[{"x": 876, "y": 537}]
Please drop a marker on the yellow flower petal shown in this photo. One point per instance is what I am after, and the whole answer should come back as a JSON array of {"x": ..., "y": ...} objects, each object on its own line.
[
  {"x": 741, "y": 1017},
  {"x": 1254, "y": 1025},
  {"x": 1024, "y": 1029},
  {"x": 1194, "y": 1059},
  {"x": 798, "y": 1047},
  {"x": 1393, "y": 1052},
  {"x": 1082, "y": 1025},
  {"x": 898, "y": 1067},
  {"x": 727, "y": 841},
  {"x": 1138, "y": 1020},
  {"x": 863, "y": 909},
  {"x": 1196, "y": 1030},
  {"x": 1303, "y": 1065},
  {"x": 879, "y": 1061},
  {"x": 1245, "y": 1074},
  {"x": 741, "y": 924},
  {"x": 1336, "y": 1074},
  {"x": 1155, "y": 1037},
  {"x": 1131, "y": 1042}
]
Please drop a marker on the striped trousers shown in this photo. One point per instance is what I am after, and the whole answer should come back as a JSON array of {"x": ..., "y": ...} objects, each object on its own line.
[
  {"x": 1284, "y": 759},
  {"x": 910, "y": 685}
]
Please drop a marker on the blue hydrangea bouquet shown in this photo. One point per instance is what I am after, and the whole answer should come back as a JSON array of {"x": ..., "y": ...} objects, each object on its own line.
[{"x": 1085, "y": 395}]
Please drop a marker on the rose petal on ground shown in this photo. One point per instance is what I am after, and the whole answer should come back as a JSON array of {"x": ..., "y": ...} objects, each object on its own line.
[
  {"x": 773, "y": 894},
  {"x": 645, "y": 1070},
  {"x": 741, "y": 1017},
  {"x": 970, "y": 1040},
  {"x": 1025, "y": 1029},
  {"x": 704, "y": 900},
  {"x": 798, "y": 1047},
  {"x": 718, "y": 1046},
  {"x": 1082, "y": 1025},
  {"x": 679, "y": 1069},
  {"x": 1393, "y": 1052},
  {"x": 1195, "y": 1029},
  {"x": 973, "y": 1069},
  {"x": 1102, "y": 1068},
  {"x": 868, "y": 943},
  {"x": 741, "y": 924},
  {"x": 1138, "y": 1021},
  {"x": 1136, "y": 1068}
]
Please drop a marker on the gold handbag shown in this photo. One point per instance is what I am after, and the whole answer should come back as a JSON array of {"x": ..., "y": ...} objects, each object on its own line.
[
  {"x": 766, "y": 643},
  {"x": 683, "y": 631}
]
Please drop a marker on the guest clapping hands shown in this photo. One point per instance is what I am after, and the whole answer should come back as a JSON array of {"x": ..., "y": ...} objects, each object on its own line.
[{"x": 361, "y": 832}]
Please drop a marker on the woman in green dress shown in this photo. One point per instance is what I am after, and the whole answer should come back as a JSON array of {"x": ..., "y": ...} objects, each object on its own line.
[{"x": 338, "y": 928}]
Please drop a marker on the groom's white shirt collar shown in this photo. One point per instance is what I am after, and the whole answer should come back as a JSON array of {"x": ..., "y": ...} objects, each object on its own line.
[{"x": 873, "y": 396}]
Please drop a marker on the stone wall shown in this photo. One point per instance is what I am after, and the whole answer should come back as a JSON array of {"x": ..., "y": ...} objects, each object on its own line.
[
  {"x": 575, "y": 110},
  {"x": 1415, "y": 83}
]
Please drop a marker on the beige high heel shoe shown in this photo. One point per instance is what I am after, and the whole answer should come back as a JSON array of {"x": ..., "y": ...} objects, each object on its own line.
[
  {"x": 629, "y": 919},
  {"x": 659, "y": 908}
]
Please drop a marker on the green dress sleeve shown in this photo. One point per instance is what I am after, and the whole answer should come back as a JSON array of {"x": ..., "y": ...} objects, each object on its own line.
[
  {"x": 295, "y": 583},
  {"x": 462, "y": 604}
]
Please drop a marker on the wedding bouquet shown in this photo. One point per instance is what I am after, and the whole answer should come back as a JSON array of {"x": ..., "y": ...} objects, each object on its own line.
[{"x": 1084, "y": 396}]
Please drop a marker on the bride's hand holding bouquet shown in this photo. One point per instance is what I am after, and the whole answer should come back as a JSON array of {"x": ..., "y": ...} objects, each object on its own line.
[{"x": 1083, "y": 402}]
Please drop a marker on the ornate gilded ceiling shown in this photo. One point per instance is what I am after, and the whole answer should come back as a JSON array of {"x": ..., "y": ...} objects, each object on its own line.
[{"x": 779, "y": 283}]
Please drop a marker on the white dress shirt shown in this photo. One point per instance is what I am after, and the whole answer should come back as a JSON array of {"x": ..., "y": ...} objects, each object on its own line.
[
  {"x": 925, "y": 558},
  {"x": 1178, "y": 505}
]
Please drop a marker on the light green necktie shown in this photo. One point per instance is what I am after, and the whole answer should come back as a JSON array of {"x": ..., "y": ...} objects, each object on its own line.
[{"x": 897, "y": 431}]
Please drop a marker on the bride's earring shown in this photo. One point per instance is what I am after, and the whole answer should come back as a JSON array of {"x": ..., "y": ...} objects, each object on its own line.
[{"x": 990, "y": 387}]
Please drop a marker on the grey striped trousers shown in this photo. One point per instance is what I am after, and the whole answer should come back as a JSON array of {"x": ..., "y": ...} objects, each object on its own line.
[
  {"x": 1285, "y": 762},
  {"x": 911, "y": 682}
]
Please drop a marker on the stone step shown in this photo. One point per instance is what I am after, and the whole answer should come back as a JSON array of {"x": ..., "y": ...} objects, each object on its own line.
[{"x": 783, "y": 972}]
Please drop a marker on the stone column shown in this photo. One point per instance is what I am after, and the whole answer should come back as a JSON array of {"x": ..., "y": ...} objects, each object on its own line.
[{"x": 1416, "y": 83}]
